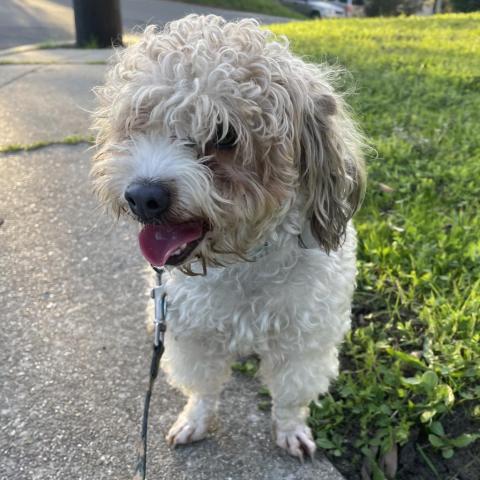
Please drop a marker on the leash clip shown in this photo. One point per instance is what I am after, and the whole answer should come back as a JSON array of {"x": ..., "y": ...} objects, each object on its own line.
[{"x": 160, "y": 298}]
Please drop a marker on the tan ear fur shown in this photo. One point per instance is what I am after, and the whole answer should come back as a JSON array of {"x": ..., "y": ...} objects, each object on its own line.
[{"x": 332, "y": 165}]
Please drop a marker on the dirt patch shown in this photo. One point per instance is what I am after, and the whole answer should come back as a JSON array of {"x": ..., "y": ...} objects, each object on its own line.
[{"x": 417, "y": 460}]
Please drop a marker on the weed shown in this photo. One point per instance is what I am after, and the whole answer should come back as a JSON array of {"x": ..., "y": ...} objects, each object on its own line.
[
  {"x": 54, "y": 44},
  {"x": 248, "y": 366},
  {"x": 70, "y": 140},
  {"x": 92, "y": 43}
]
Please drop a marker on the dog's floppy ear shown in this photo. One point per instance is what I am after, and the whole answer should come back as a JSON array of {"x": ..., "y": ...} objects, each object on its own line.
[{"x": 332, "y": 167}]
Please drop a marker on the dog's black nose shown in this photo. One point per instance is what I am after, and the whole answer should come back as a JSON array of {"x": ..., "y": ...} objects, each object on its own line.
[{"x": 148, "y": 201}]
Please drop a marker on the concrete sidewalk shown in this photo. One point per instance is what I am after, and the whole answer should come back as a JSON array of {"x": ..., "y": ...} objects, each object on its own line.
[
  {"x": 73, "y": 346},
  {"x": 46, "y": 94}
]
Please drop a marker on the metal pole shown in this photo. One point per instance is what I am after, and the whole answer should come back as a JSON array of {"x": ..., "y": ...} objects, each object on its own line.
[{"x": 98, "y": 23}]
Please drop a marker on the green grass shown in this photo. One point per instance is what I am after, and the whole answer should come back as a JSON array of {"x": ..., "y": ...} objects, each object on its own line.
[
  {"x": 52, "y": 45},
  {"x": 268, "y": 7},
  {"x": 413, "y": 356},
  {"x": 70, "y": 140},
  {"x": 40, "y": 62}
]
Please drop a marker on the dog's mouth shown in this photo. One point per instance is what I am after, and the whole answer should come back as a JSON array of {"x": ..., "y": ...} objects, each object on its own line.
[{"x": 170, "y": 244}]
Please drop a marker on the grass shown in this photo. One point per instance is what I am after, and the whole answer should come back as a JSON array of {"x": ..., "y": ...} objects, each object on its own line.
[
  {"x": 413, "y": 357},
  {"x": 51, "y": 62},
  {"x": 70, "y": 140},
  {"x": 268, "y": 7},
  {"x": 53, "y": 45}
]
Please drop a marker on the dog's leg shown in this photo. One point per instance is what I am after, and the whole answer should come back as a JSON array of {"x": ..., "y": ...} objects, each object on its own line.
[
  {"x": 294, "y": 381},
  {"x": 199, "y": 370}
]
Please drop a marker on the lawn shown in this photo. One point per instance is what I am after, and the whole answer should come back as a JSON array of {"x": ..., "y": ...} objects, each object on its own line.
[
  {"x": 410, "y": 386},
  {"x": 267, "y": 7}
]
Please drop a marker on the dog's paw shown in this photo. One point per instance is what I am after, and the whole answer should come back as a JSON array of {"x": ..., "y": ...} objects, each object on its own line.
[
  {"x": 193, "y": 423},
  {"x": 186, "y": 430},
  {"x": 297, "y": 441}
]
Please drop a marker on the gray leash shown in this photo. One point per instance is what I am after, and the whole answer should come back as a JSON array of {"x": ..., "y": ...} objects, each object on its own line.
[{"x": 159, "y": 297}]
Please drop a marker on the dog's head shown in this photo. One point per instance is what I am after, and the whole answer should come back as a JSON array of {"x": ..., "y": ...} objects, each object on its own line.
[{"x": 209, "y": 132}]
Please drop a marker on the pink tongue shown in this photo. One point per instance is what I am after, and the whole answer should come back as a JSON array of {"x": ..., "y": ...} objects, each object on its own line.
[{"x": 158, "y": 242}]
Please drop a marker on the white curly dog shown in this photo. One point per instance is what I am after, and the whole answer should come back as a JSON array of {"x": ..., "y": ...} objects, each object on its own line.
[{"x": 244, "y": 168}]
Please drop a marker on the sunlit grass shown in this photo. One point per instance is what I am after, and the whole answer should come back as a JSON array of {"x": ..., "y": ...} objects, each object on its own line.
[{"x": 414, "y": 353}]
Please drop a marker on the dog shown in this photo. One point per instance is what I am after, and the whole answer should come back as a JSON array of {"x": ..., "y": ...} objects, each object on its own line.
[{"x": 244, "y": 167}]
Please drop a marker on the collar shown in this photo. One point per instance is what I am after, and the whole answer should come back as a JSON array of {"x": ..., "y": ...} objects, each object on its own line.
[
  {"x": 263, "y": 250},
  {"x": 305, "y": 240}
]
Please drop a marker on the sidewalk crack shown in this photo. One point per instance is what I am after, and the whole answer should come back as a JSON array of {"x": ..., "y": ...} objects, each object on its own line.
[{"x": 21, "y": 75}]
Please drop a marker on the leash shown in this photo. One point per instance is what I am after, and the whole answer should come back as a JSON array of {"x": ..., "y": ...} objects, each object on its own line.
[{"x": 159, "y": 297}]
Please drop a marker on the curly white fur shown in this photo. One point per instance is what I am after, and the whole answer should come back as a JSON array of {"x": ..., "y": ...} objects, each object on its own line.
[{"x": 296, "y": 172}]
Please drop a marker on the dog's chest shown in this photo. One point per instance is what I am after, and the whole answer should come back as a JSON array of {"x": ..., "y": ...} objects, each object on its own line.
[
  {"x": 242, "y": 310},
  {"x": 269, "y": 304}
]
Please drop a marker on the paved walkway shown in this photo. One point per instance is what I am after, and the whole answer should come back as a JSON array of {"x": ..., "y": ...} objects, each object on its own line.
[
  {"x": 73, "y": 347},
  {"x": 45, "y": 95}
]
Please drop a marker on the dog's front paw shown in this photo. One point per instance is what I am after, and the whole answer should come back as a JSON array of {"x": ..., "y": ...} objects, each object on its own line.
[
  {"x": 297, "y": 441},
  {"x": 186, "y": 430},
  {"x": 193, "y": 423}
]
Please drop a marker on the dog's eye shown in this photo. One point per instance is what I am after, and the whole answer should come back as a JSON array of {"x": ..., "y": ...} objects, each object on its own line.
[
  {"x": 210, "y": 163},
  {"x": 228, "y": 141},
  {"x": 190, "y": 144}
]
